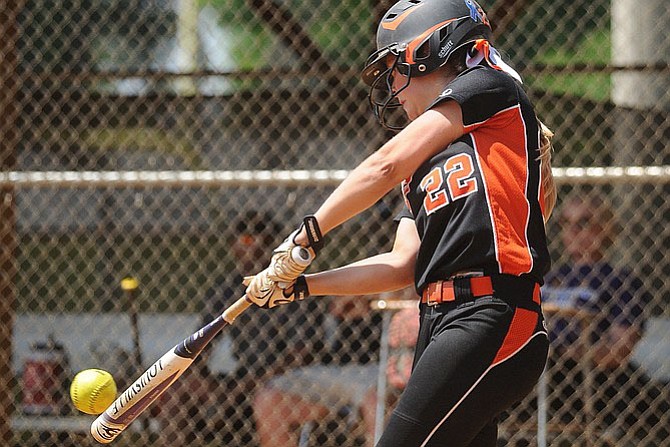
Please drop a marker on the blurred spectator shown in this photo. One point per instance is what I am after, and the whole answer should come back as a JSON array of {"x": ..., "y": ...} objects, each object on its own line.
[
  {"x": 595, "y": 312},
  {"x": 217, "y": 408},
  {"x": 342, "y": 389}
]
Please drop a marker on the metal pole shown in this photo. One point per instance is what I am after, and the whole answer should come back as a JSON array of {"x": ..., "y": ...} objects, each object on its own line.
[
  {"x": 381, "y": 376},
  {"x": 542, "y": 410}
]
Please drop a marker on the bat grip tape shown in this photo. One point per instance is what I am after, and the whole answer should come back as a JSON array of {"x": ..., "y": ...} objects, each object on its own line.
[{"x": 236, "y": 309}]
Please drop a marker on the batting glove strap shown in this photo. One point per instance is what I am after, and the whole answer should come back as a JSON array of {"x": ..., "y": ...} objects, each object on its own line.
[
  {"x": 300, "y": 289},
  {"x": 313, "y": 233}
]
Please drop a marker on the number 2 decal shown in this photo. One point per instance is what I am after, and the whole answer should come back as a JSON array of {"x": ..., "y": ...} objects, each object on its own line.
[{"x": 460, "y": 182}]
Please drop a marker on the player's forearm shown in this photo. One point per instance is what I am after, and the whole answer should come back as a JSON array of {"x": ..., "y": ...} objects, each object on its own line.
[
  {"x": 364, "y": 186},
  {"x": 383, "y": 273}
]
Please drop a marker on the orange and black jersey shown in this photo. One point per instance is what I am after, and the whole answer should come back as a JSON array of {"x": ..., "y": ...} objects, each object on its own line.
[{"x": 478, "y": 203}]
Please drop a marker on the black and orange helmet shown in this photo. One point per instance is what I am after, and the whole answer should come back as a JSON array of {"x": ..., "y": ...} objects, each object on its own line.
[{"x": 416, "y": 37}]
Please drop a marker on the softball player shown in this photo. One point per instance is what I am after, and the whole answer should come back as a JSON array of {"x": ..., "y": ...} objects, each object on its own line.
[{"x": 473, "y": 164}]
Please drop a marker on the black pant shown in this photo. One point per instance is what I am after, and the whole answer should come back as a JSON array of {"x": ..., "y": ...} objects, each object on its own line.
[{"x": 474, "y": 359}]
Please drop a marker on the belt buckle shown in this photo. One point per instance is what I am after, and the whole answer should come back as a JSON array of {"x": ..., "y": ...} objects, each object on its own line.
[{"x": 438, "y": 286}]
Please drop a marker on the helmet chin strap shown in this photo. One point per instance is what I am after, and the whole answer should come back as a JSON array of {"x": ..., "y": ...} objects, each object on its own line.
[{"x": 483, "y": 50}]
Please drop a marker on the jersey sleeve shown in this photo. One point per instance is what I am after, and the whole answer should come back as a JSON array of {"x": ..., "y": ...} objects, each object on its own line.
[
  {"x": 404, "y": 213},
  {"x": 481, "y": 92}
]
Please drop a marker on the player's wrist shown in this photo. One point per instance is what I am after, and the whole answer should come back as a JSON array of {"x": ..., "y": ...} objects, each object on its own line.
[
  {"x": 300, "y": 288},
  {"x": 309, "y": 234}
]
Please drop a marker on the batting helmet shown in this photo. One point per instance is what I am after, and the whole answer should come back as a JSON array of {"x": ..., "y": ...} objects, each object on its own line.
[{"x": 416, "y": 37}]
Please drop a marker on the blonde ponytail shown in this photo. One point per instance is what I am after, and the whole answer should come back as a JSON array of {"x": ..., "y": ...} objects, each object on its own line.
[{"x": 548, "y": 187}]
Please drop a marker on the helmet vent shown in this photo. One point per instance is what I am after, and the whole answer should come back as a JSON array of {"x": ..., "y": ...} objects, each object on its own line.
[
  {"x": 410, "y": 4},
  {"x": 444, "y": 32},
  {"x": 423, "y": 51}
]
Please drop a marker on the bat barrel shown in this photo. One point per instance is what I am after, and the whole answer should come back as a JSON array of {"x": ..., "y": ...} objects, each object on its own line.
[
  {"x": 104, "y": 430},
  {"x": 138, "y": 396}
]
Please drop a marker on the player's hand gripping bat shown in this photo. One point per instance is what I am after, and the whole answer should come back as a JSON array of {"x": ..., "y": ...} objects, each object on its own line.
[{"x": 155, "y": 380}]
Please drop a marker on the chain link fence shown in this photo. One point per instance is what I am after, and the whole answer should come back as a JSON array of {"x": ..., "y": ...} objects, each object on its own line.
[{"x": 173, "y": 142}]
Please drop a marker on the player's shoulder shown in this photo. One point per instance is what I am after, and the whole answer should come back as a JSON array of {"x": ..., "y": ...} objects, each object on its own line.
[
  {"x": 480, "y": 84},
  {"x": 483, "y": 78},
  {"x": 481, "y": 92}
]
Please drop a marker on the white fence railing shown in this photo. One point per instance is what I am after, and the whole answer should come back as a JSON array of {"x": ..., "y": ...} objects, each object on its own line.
[{"x": 284, "y": 178}]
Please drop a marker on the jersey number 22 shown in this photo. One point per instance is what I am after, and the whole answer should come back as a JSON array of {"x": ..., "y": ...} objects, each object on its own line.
[{"x": 447, "y": 183}]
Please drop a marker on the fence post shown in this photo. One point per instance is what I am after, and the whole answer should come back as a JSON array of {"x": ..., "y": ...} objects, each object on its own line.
[
  {"x": 642, "y": 104},
  {"x": 9, "y": 136}
]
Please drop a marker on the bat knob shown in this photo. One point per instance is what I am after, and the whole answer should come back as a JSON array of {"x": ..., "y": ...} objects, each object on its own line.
[{"x": 302, "y": 256}]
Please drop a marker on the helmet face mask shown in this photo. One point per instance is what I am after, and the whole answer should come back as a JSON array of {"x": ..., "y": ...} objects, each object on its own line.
[
  {"x": 415, "y": 38},
  {"x": 381, "y": 96}
]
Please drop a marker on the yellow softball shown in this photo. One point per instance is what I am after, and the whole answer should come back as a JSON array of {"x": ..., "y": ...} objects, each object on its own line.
[{"x": 93, "y": 390}]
